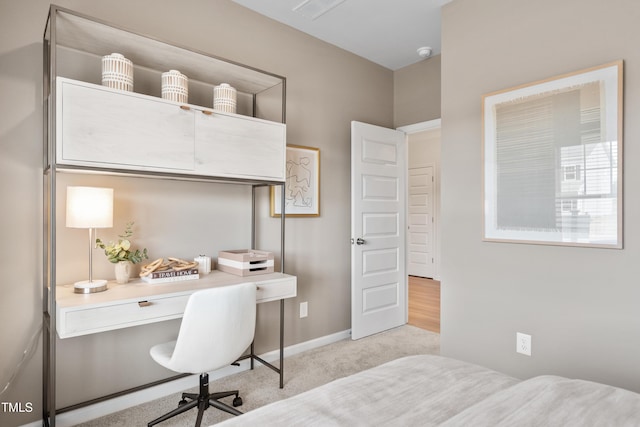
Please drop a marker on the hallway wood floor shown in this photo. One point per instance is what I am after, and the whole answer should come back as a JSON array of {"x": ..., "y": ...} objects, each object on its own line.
[{"x": 424, "y": 303}]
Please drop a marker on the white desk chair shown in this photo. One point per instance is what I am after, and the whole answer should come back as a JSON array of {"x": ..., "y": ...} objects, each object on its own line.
[{"x": 217, "y": 327}]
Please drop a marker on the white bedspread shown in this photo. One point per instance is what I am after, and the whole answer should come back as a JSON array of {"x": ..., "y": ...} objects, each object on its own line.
[
  {"x": 420, "y": 390},
  {"x": 552, "y": 401},
  {"x": 432, "y": 390}
]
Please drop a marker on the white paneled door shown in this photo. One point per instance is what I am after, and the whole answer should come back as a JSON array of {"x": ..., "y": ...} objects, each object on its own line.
[
  {"x": 420, "y": 218},
  {"x": 378, "y": 200}
]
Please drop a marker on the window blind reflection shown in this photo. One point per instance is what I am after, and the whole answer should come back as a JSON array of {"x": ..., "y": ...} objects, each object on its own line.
[{"x": 555, "y": 170}]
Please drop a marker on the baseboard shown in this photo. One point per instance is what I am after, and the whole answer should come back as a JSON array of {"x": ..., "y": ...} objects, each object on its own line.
[{"x": 110, "y": 406}]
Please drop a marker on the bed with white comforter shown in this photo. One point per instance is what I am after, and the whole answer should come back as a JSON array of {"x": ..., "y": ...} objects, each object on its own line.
[{"x": 428, "y": 390}]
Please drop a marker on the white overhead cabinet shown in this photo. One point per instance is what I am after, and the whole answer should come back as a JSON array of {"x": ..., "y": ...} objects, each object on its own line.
[
  {"x": 242, "y": 147},
  {"x": 102, "y": 127}
]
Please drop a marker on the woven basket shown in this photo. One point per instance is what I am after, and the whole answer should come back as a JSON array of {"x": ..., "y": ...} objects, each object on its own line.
[
  {"x": 175, "y": 86},
  {"x": 117, "y": 72}
]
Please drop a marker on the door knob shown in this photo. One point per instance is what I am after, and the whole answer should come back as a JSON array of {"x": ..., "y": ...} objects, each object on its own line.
[{"x": 360, "y": 241}]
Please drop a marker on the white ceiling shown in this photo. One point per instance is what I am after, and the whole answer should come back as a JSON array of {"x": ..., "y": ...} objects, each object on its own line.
[{"x": 387, "y": 32}]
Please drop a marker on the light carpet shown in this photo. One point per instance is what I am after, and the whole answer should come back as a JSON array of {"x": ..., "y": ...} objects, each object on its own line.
[{"x": 303, "y": 372}]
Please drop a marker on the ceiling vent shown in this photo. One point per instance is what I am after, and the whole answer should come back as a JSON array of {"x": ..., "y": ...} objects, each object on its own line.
[{"x": 313, "y": 9}]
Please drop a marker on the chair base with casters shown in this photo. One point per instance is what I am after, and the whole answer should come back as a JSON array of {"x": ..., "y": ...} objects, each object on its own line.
[{"x": 203, "y": 400}]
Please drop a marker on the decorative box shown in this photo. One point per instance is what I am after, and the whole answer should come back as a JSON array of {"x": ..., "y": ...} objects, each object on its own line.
[{"x": 245, "y": 262}]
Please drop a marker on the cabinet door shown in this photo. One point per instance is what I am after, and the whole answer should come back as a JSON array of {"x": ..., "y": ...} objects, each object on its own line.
[
  {"x": 241, "y": 147},
  {"x": 122, "y": 130}
]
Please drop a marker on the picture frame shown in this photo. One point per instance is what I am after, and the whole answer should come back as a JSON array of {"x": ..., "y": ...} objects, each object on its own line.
[
  {"x": 302, "y": 186},
  {"x": 552, "y": 160}
]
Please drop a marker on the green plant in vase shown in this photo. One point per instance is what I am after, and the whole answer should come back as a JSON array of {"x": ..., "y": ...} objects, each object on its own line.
[
  {"x": 122, "y": 255},
  {"x": 122, "y": 251}
]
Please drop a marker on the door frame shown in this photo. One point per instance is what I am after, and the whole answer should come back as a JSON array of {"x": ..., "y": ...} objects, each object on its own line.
[
  {"x": 408, "y": 130},
  {"x": 422, "y": 126}
]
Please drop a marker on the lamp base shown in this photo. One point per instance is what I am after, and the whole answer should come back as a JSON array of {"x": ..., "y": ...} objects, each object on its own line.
[{"x": 89, "y": 287}]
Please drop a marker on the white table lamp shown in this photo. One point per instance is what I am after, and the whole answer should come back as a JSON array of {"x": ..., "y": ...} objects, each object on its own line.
[{"x": 90, "y": 207}]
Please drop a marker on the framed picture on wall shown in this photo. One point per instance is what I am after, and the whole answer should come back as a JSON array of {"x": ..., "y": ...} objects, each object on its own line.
[
  {"x": 552, "y": 158},
  {"x": 302, "y": 186}
]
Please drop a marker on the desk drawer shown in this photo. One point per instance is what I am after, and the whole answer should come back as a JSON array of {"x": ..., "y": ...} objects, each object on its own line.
[
  {"x": 81, "y": 321},
  {"x": 276, "y": 289}
]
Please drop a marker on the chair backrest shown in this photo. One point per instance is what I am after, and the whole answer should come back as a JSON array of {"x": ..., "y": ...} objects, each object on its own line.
[{"x": 218, "y": 325}]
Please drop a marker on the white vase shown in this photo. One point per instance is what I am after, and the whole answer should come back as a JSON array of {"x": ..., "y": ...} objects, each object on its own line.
[{"x": 123, "y": 271}]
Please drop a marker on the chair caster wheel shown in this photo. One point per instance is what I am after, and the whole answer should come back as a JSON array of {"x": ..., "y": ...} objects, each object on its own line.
[
  {"x": 237, "y": 401},
  {"x": 182, "y": 402}
]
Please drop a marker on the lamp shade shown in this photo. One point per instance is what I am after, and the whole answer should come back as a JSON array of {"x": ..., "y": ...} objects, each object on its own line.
[{"x": 89, "y": 207}]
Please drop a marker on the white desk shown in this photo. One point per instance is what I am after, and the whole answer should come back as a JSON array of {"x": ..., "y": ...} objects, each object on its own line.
[{"x": 138, "y": 303}]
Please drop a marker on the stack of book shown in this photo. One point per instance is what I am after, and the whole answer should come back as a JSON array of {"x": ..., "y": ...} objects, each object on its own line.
[{"x": 171, "y": 276}]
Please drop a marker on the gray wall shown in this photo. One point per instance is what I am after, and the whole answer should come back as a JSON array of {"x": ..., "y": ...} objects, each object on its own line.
[
  {"x": 579, "y": 304},
  {"x": 326, "y": 89},
  {"x": 416, "y": 92}
]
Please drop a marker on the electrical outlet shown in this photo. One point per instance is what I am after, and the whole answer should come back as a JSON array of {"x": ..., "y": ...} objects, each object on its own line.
[
  {"x": 523, "y": 344},
  {"x": 304, "y": 309}
]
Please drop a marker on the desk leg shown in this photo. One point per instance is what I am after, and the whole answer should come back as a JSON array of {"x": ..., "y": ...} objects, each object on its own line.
[
  {"x": 253, "y": 356},
  {"x": 281, "y": 343}
]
